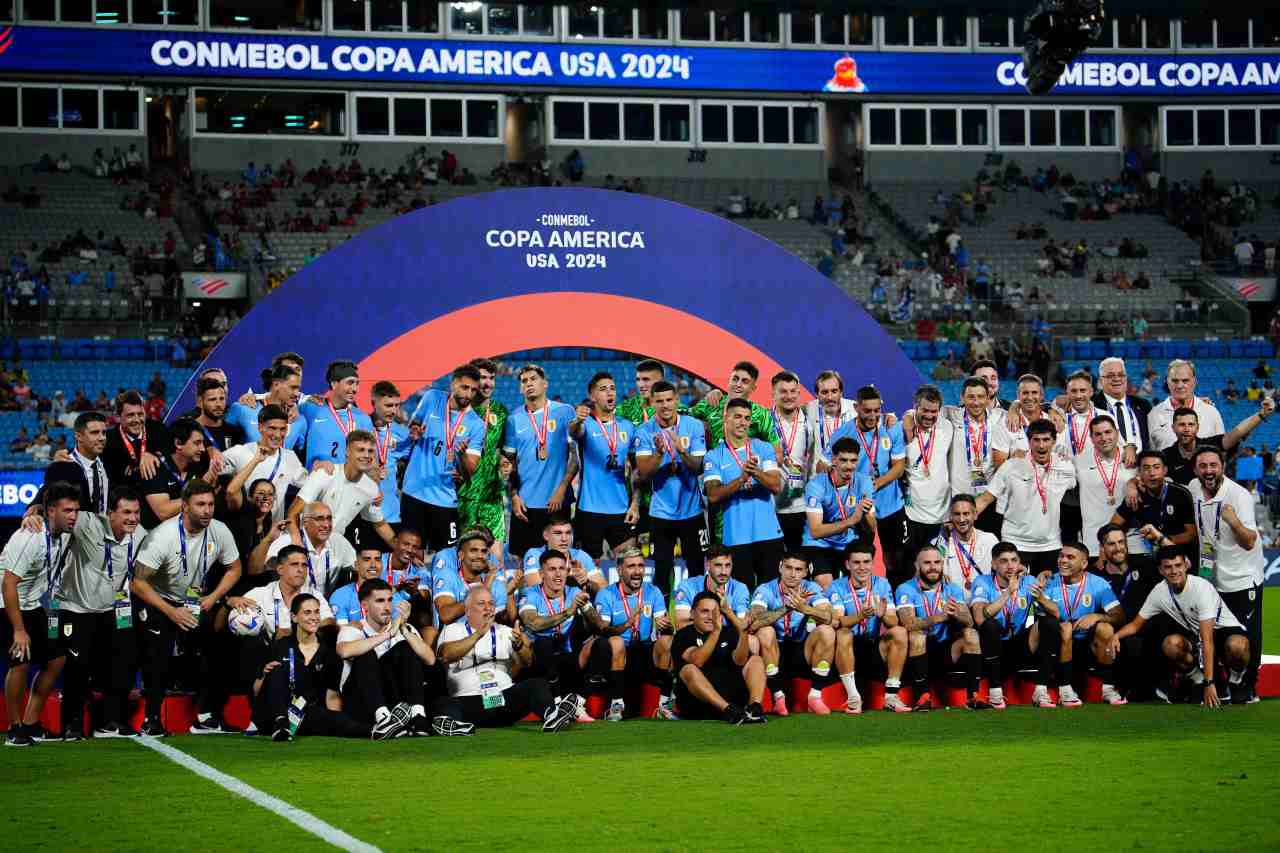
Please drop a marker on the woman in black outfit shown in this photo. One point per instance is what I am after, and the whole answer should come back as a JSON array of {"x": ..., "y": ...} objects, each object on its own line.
[{"x": 298, "y": 672}]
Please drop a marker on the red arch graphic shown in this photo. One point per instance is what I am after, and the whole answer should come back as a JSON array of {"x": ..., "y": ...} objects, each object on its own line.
[{"x": 565, "y": 319}]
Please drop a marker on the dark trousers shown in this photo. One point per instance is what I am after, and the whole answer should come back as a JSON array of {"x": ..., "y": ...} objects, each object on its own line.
[
  {"x": 1247, "y": 607},
  {"x": 531, "y": 696},
  {"x": 990, "y": 520},
  {"x": 96, "y": 650},
  {"x": 757, "y": 562},
  {"x": 212, "y": 659},
  {"x": 692, "y": 535},
  {"x": 1070, "y": 522},
  {"x": 1002, "y": 658},
  {"x": 792, "y": 524},
  {"x": 524, "y": 534},
  {"x": 273, "y": 701},
  {"x": 558, "y": 667},
  {"x": 380, "y": 682},
  {"x": 919, "y": 535}
]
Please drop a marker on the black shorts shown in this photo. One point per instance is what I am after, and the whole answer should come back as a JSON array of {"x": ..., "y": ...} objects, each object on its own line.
[
  {"x": 593, "y": 529},
  {"x": 791, "y": 660},
  {"x": 362, "y": 534},
  {"x": 729, "y": 683},
  {"x": 823, "y": 561},
  {"x": 437, "y": 524},
  {"x": 639, "y": 660},
  {"x": 939, "y": 653},
  {"x": 524, "y": 534},
  {"x": 1016, "y": 654},
  {"x": 793, "y": 525},
  {"x": 36, "y": 623},
  {"x": 868, "y": 662}
]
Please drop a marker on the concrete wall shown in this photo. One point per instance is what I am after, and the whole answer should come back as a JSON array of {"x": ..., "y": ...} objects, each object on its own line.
[
  {"x": 222, "y": 155},
  {"x": 624, "y": 161},
  {"x": 953, "y": 166},
  {"x": 20, "y": 149},
  {"x": 1248, "y": 166}
]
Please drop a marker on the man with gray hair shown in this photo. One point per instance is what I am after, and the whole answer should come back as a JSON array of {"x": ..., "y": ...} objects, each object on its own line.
[
  {"x": 1130, "y": 413},
  {"x": 328, "y": 553},
  {"x": 1181, "y": 382}
]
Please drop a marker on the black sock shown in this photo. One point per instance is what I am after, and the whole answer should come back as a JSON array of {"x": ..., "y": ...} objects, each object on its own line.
[
  {"x": 994, "y": 671},
  {"x": 972, "y": 664},
  {"x": 615, "y": 685},
  {"x": 774, "y": 682},
  {"x": 665, "y": 681},
  {"x": 1105, "y": 673},
  {"x": 917, "y": 672},
  {"x": 1066, "y": 673}
]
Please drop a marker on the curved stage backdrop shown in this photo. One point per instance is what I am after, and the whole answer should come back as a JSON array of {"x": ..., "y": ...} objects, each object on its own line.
[{"x": 529, "y": 268}]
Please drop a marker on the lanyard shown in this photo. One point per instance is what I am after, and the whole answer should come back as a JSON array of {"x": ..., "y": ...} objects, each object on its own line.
[
  {"x": 54, "y": 565},
  {"x": 938, "y": 603},
  {"x": 391, "y": 573},
  {"x": 383, "y": 444},
  {"x": 788, "y": 442},
  {"x": 964, "y": 557},
  {"x": 859, "y": 603},
  {"x": 626, "y": 608},
  {"x": 1066, "y": 598},
  {"x": 271, "y": 478},
  {"x": 975, "y": 446},
  {"x": 337, "y": 419},
  {"x": 926, "y": 449},
  {"x": 292, "y": 676},
  {"x": 181, "y": 478},
  {"x": 311, "y": 574},
  {"x": 1186, "y": 620},
  {"x": 552, "y": 610},
  {"x": 741, "y": 460},
  {"x": 1078, "y": 439},
  {"x": 1217, "y": 525},
  {"x": 1108, "y": 483},
  {"x": 493, "y": 644},
  {"x": 128, "y": 565},
  {"x": 829, "y": 431},
  {"x": 182, "y": 549},
  {"x": 840, "y": 500},
  {"x": 208, "y": 436},
  {"x": 1042, "y": 486},
  {"x": 134, "y": 453},
  {"x": 871, "y": 451},
  {"x": 539, "y": 436}
]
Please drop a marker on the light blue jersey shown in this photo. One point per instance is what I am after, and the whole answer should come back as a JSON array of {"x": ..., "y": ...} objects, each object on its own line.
[
  {"x": 735, "y": 591},
  {"x": 247, "y": 419},
  {"x": 536, "y": 599},
  {"x": 393, "y": 445},
  {"x": 603, "y": 449},
  {"x": 749, "y": 514},
  {"x": 847, "y": 600},
  {"x": 532, "y": 556},
  {"x": 928, "y": 602},
  {"x": 616, "y": 608},
  {"x": 433, "y": 459},
  {"x": 1090, "y": 594},
  {"x": 889, "y": 446},
  {"x": 676, "y": 495},
  {"x": 449, "y": 586},
  {"x": 1016, "y": 614},
  {"x": 326, "y": 438},
  {"x": 345, "y": 603},
  {"x": 530, "y": 435},
  {"x": 837, "y": 504},
  {"x": 794, "y": 626}
]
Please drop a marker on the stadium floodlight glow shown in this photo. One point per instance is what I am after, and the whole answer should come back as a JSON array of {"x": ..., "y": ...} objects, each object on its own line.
[{"x": 241, "y": 19}]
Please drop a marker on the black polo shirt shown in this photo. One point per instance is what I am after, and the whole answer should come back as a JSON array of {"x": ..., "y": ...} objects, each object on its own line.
[
  {"x": 1181, "y": 470},
  {"x": 167, "y": 482},
  {"x": 1169, "y": 510},
  {"x": 1131, "y": 586}
]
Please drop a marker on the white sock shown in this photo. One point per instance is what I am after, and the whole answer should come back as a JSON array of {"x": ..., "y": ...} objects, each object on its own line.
[
  {"x": 814, "y": 693},
  {"x": 771, "y": 669},
  {"x": 850, "y": 686},
  {"x": 996, "y": 694},
  {"x": 779, "y": 696},
  {"x": 893, "y": 682},
  {"x": 1066, "y": 690},
  {"x": 664, "y": 699},
  {"x": 1041, "y": 690},
  {"x": 204, "y": 718},
  {"x": 419, "y": 711},
  {"x": 382, "y": 713},
  {"x": 1196, "y": 676}
]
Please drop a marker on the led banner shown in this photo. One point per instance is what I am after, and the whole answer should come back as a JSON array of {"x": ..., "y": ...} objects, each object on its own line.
[
  {"x": 141, "y": 54},
  {"x": 17, "y": 489}
]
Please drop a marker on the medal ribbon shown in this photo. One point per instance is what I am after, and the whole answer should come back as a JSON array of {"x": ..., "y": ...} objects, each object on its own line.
[
  {"x": 1066, "y": 598},
  {"x": 926, "y": 450},
  {"x": 938, "y": 602},
  {"x": 968, "y": 565},
  {"x": 134, "y": 454},
  {"x": 351, "y": 416},
  {"x": 451, "y": 427},
  {"x": 787, "y": 443},
  {"x": 1042, "y": 486},
  {"x": 610, "y": 438},
  {"x": 975, "y": 446},
  {"x": 626, "y": 608},
  {"x": 1078, "y": 440},
  {"x": 538, "y": 436},
  {"x": 872, "y": 450},
  {"x": 1108, "y": 483}
]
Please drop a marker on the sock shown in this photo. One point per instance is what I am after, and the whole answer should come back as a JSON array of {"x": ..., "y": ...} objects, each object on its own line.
[
  {"x": 892, "y": 685},
  {"x": 615, "y": 685},
  {"x": 1066, "y": 673},
  {"x": 918, "y": 674},
  {"x": 419, "y": 711},
  {"x": 851, "y": 686},
  {"x": 822, "y": 668},
  {"x": 779, "y": 696},
  {"x": 204, "y": 718},
  {"x": 773, "y": 678},
  {"x": 621, "y": 703},
  {"x": 814, "y": 693},
  {"x": 1196, "y": 676},
  {"x": 1105, "y": 674},
  {"x": 996, "y": 694},
  {"x": 995, "y": 674},
  {"x": 972, "y": 671}
]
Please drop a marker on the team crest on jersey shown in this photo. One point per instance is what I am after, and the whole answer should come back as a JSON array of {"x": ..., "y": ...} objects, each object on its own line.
[
  {"x": 850, "y": 501},
  {"x": 680, "y": 596},
  {"x": 1133, "y": 576},
  {"x": 813, "y": 502},
  {"x": 1022, "y": 601},
  {"x": 462, "y": 429},
  {"x": 684, "y": 442},
  {"x": 885, "y": 444},
  {"x": 66, "y": 630},
  {"x": 905, "y": 599},
  {"x": 623, "y": 435},
  {"x": 551, "y": 425},
  {"x": 648, "y": 610},
  {"x": 1088, "y": 600},
  {"x": 1168, "y": 510}
]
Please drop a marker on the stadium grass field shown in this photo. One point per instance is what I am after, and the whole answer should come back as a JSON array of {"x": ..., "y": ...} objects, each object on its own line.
[{"x": 1141, "y": 777}]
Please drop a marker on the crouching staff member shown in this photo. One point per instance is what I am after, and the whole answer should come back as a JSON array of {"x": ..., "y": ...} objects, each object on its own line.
[{"x": 292, "y": 692}]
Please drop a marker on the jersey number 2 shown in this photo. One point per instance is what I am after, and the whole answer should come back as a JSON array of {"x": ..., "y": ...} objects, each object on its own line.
[{"x": 333, "y": 451}]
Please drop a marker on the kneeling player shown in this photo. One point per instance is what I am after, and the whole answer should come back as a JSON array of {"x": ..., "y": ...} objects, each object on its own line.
[
  {"x": 634, "y": 634},
  {"x": 1088, "y": 615},
  {"x": 1003, "y": 605},
  {"x": 548, "y": 612},
  {"x": 792, "y": 619},
  {"x": 860, "y": 605},
  {"x": 718, "y": 581},
  {"x": 718, "y": 677},
  {"x": 939, "y": 630},
  {"x": 1205, "y": 633}
]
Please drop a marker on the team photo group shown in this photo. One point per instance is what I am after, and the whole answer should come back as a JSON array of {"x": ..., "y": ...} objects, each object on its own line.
[{"x": 433, "y": 568}]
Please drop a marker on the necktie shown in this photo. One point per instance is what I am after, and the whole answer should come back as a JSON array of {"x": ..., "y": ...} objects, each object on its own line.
[
  {"x": 1120, "y": 421},
  {"x": 96, "y": 497}
]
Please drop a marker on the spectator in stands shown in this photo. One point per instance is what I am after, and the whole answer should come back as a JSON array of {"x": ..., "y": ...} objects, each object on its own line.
[
  {"x": 793, "y": 209},
  {"x": 1110, "y": 249},
  {"x": 133, "y": 161},
  {"x": 1254, "y": 393},
  {"x": 40, "y": 449},
  {"x": 64, "y": 163},
  {"x": 1141, "y": 282},
  {"x": 818, "y": 215},
  {"x": 1140, "y": 326},
  {"x": 827, "y": 266},
  {"x": 1120, "y": 281},
  {"x": 1243, "y": 251},
  {"x": 20, "y": 442}
]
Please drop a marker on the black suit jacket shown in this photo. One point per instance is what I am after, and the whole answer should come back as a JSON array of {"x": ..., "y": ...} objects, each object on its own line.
[
  {"x": 115, "y": 457},
  {"x": 68, "y": 472},
  {"x": 1141, "y": 408}
]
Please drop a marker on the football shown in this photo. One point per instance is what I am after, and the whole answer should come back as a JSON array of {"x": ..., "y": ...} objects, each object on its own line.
[{"x": 245, "y": 623}]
